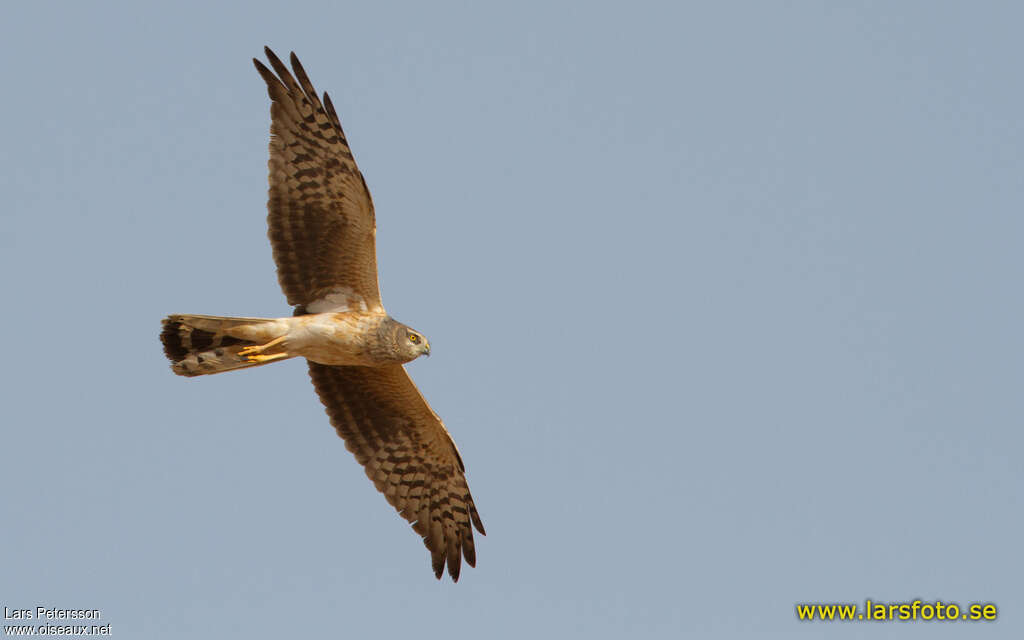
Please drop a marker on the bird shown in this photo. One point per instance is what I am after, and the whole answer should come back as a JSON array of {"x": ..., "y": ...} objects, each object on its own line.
[{"x": 322, "y": 230}]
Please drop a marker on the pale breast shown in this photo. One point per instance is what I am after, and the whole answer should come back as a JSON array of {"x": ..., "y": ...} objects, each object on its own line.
[{"x": 344, "y": 338}]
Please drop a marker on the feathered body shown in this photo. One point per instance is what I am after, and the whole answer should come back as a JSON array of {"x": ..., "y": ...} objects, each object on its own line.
[{"x": 203, "y": 345}]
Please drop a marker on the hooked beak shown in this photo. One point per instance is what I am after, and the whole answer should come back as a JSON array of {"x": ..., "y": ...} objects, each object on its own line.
[{"x": 426, "y": 349}]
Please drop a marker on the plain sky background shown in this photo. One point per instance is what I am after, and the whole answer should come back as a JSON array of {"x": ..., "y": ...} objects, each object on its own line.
[{"x": 724, "y": 300}]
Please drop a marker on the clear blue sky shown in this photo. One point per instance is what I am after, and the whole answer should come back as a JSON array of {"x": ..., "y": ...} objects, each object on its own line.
[{"x": 724, "y": 300}]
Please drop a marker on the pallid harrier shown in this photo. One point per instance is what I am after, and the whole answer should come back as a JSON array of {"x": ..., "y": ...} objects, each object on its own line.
[{"x": 322, "y": 231}]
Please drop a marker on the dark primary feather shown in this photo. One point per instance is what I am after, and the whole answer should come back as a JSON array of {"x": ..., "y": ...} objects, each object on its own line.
[
  {"x": 407, "y": 453},
  {"x": 321, "y": 219}
]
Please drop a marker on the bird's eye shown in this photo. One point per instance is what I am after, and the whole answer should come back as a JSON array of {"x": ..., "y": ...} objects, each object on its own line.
[{"x": 413, "y": 338}]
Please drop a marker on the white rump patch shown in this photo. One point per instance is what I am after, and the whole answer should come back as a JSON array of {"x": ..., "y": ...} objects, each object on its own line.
[{"x": 337, "y": 299}]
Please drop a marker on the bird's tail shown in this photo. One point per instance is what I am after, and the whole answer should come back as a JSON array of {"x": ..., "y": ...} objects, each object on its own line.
[{"x": 200, "y": 345}]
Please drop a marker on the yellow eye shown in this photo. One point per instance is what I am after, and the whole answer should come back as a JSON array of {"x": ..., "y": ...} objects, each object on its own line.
[{"x": 413, "y": 338}]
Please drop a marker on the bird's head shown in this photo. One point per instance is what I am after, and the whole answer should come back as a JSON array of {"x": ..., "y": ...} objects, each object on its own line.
[
  {"x": 400, "y": 343},
  {"x": 416, "y": 343}
]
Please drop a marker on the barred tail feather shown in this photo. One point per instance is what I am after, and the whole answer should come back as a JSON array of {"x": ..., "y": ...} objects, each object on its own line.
[{"x": 197, "y": 345}]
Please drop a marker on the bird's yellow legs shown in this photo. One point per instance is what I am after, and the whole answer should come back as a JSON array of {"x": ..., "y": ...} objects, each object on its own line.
[{"x": 255, "y": 353}]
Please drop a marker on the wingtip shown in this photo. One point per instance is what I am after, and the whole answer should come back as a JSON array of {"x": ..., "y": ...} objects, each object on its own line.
[
  {"x": 438, "y": 561},
  {"x": 454, "y": 558},
  {"x": 267, "y": 51},
  {"x": 475, "y": 517},
  {"x": 274, "y": 60}
]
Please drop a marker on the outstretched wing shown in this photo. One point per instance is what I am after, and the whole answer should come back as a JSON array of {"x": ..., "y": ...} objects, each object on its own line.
[
  {"x": 407, "y": 453},
  {"x": 320, "y": 212}
]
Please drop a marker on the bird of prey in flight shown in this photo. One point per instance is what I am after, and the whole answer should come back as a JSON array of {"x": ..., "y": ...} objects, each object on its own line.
[{"x": 322, "y": 231}]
